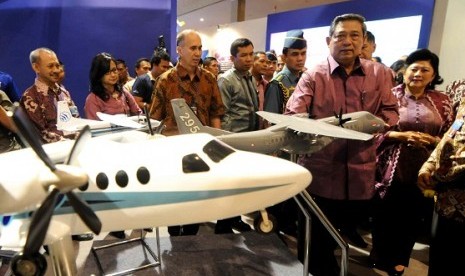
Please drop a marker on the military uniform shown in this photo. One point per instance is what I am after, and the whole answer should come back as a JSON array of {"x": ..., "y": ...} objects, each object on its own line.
[
  {"x": 283, "y": 84},
  {"x": 279, "y": 90}
]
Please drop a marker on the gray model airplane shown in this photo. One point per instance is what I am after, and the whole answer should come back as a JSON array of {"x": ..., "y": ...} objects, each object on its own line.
[{"x": 292, "y": 134}]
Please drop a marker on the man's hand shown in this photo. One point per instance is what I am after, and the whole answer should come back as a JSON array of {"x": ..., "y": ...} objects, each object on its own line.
[{"x": 425, "y": 184}]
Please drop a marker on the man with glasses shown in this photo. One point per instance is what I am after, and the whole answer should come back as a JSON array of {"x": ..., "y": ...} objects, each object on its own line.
[{"x": 344, "y": 171}]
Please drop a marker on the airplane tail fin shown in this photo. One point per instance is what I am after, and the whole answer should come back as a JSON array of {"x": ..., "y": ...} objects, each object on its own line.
[{"x": 188, "y": 122}]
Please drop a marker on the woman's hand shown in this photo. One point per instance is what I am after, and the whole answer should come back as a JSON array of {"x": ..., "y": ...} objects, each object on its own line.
[{"x": 415, "y": 138}]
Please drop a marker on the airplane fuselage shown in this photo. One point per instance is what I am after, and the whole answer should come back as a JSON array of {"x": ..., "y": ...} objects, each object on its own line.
[{"x": 262, "y": 141}]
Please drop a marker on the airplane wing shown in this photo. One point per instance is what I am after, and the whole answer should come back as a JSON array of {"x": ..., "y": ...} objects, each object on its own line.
[
  {"x": 119, "y": 120},
  {"x": 66, "y": 121},
  {"x": 311, "y": 126}
]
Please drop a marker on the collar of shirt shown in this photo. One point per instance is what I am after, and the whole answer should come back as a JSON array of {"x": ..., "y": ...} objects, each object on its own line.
[
  {"x": 240, "y": 75},
  {"x": 400, "y": 89},
  {"x": 150, "y": 76},
  {"x": 293, "y": 78},
  {"x": 44, "y": 88},
  {"x": 261, "y": 81},
  {"x": 334, "y": 65},
  {"x": 184, "y": 75}
]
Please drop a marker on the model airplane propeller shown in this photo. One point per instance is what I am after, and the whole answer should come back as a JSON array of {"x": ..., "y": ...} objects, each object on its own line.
[
  {"x": 66, "y": 177},
  {"x": 342, "y": 120}
]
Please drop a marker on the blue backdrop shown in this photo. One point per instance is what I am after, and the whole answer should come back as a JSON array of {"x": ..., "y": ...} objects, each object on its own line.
[{"x": 77, "y": 30}]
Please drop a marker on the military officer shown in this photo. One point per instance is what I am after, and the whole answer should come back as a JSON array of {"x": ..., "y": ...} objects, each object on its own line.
[{"x": 283, "y": 84}]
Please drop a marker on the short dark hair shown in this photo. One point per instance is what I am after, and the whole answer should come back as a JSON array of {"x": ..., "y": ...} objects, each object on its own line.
[
  {"x": 255, "y": 54},
  {"x": 427, "y": 55},
  {"x": 239, "y": 43},
  {"x": 208, "y": 60},
  {"x": 399, "y": 67},
  {"x": 139, "y": 61},
  {"x": 158, "y": 56},
  {"x": 370, "y": 37},
  {"x": 120, "y": 61},
  {"x": 378, "y": 59},
  {"x": 271, "y": 55},
  {"x": 347, "y": 17},
  {"x": 398, "y": 64}
]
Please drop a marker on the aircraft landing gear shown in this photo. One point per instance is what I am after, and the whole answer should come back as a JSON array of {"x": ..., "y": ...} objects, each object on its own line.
[
  {"x": 265, "y": 223},
  {"x": 35, "y": 265}
]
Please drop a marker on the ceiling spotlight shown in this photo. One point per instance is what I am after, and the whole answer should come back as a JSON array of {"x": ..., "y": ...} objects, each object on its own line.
[{"x": 201, "y": 19}]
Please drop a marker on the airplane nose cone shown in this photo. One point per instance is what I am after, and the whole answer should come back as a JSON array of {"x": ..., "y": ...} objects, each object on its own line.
[
  {"x": 291, "y": 173},
  {"x": 267, "y": 169}
]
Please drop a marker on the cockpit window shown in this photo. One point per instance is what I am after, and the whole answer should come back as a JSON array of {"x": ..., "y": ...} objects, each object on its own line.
[
  {"x": 217, "y": 151},
  {"x": 192, "y": 163}
]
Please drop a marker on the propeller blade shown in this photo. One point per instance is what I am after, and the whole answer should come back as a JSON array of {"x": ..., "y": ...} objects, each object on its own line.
[
  {"x": 84, "y": 211},
  {"x": 83, "y": 138},
  {"x": 39, "y": 223},
  {"x": 341, "y": 121},
  {"x": 81, "y": 207},
  {"x": 29, "y": 132}
]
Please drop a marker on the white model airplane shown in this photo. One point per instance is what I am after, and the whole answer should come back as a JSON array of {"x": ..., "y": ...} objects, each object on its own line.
[
  {"x": 109, "y": 123},
  {"x": 292, "y": 134},
  {"x": 131, "y": 180}
]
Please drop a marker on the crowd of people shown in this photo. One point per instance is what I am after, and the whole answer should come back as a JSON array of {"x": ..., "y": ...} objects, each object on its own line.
[{"x": 385, "y": 178}]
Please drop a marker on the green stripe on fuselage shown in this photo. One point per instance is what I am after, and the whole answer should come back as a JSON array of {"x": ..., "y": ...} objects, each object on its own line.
[{"x": 101, "y": 201}]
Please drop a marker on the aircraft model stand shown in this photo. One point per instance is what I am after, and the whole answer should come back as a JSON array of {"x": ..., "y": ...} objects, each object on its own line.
[
  {"x": 62, "y": 263},
  {"x": 309, "y": 207},
  {"x": 141, "y": 239}
]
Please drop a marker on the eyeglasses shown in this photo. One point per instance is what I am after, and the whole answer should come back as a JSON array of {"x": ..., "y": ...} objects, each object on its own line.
[{"x": 112, "y": 70}]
